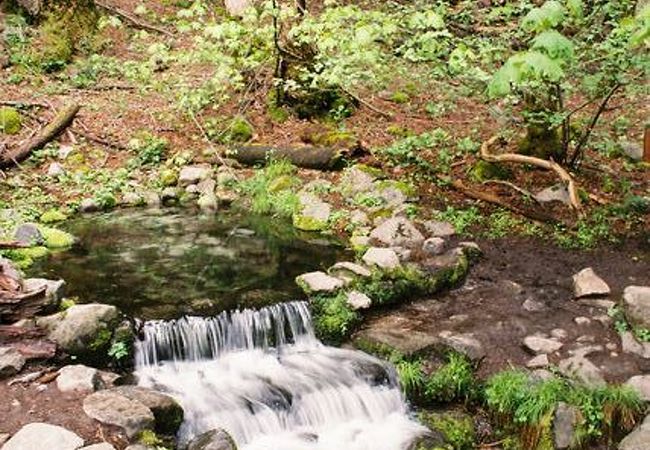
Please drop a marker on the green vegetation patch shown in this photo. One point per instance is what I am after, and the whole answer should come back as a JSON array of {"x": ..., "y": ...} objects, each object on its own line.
[
  {"x": 272, "y": 189},
  {"x": 334, "y": 319},
  {"x": 10, "y": 121}
]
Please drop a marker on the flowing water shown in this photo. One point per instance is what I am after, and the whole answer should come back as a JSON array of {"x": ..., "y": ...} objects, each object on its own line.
[{"x": 265, "y": 378}]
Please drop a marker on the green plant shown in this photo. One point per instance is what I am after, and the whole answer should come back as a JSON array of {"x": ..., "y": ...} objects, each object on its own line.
[
  {"x": 10, "y": 122},
  {"x": 411, "y": 377},
  {"x": 118, "y": 351},
  {"x": 334, "y": 319},
  {"x": 149, "y": 149},
  {"x": 264, "y": 200},
  {"x": 461, "y": 219},
  {"x": 457, "y": 429},
  {"x": 454, "y": 381}
]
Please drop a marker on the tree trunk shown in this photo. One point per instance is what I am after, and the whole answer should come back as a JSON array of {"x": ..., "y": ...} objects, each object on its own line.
[{"x": 321, "y": 158}]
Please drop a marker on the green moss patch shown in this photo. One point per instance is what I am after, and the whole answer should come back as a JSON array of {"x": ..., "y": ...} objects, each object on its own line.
[
  {"x": 52, "y": 216},
  {"x": 56, "y": 238},
  {"x": 10, "y": 121}
]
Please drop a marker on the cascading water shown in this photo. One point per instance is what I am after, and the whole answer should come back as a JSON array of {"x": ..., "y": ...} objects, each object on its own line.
[{"x": 265, "y": 378}]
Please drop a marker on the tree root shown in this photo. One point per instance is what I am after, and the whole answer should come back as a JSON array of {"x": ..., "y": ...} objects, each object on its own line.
[{"x": 544, "y": 164}]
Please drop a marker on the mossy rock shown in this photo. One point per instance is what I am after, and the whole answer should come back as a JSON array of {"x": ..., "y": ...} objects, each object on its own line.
[
  {"x": 454, "y": 427},
  {"x": 334, "y": 319},
  {"x": 240, "y": 130},
  {"x": 485, "y": 170},
  {"x": 307, "y": 223},
  {"x": 404, "y": 187},
  {"x": 56, "y": 238},
  {"x": 400, "y": 97},
  {"x": 168, "y": 177},
  {"x": 542, "y": 142},
  {"x": 282, "y": 183},
  {"x": 10, "y": 121},
  {"x": 333, "y": 138},
  {"x": 52, "y": 216},
  {"x": 24, "y": 258}
]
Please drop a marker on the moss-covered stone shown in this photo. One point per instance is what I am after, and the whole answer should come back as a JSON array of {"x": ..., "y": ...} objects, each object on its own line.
[
  {"x": 56, "y": 238},
  {"x": 332, "y": 138},
  {"x": 281, "y": 183},
  {"x": 168, "y": 177},
  {"x": 52, "y": 216},
  {"x": 399, "y": 97},
  {"x": 240, "y": 130},
  {"x": 10, "y": 121},
  {"x": 24, "y": 258},
  {"x": 542, "y": 142},
  {"x": 484, "y": 170},
  {"x": 307, "y": 223},
  {"x": 456, "y": 429}
]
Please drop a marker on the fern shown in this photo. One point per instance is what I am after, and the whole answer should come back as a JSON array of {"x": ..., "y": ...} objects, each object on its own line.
[
  {"x": 554, "y": 45},
  {"x": 547, "y": 16}
]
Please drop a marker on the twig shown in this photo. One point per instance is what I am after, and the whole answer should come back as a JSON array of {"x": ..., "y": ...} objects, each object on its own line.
[
  {"x": 21, "y": 104},
  {"x": 209, "y": 142},
  {"x": 135, "y": 22},
  {"x": 513, "y": 186},
  {"x": 366, "y": 103}
]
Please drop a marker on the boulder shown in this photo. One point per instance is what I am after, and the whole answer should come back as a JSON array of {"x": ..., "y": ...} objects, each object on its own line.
[
  {"x": 347, "y": 268},
  {"x": 358, "y": 300},
  {"x": 54, "y": 289},
  {"x": 641, "y": 384},
  {"x": 11, "y": 361},
  {"x": 356, "y": 180},
  {"x": 435, "y": 228},
  {"x": 632, "y": 150},
  {"x": 639, "y": 439},
  {"x": 82, "y": 329},
  {"x": 434, "y": 246},
  {"x": 587, "y": 284},
  {"x": 43, "y": 436},
  {"x": 78, "y": 378},
  {"x": 541, "y": 345},
  {"x": 318, "y": 282},
  {"x": 29, "y": 234},
  {"x": 88, "y": 205},
  {"x": 556, "y": 193},
  {"x": 193, "y": 175},
  {"x": 112, "y": 408},
  {"x": 464, "y": 343},
  {"x": 213, "y": 440},
  {"x": 313, "y": 213},
  {"x": 566, "y": 420},
  {"x": 168, "y": 414},
  {"x": 383, "y": 258},
  {"x": 397, "y": 232},
  {"x": 636, "y": 302},
  {"x": 580, "y": 368}
]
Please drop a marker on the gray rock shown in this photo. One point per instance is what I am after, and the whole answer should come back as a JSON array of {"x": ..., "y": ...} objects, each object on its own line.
[
  {"x": 582, "y": 369},
  {"x": 78, "y": 378},
  {"x": 208, "y": 202},
  {"x": 434, "y": 246},
  {"x": 359, "y": 218},
  {"x": 350, "y": 268},
  {"x": 29, "y": 234},
  {"x": 8, "y": 269},
  {"x": 559, "y": 333},
  {"x": 556, "y": 193},
  {"x": 437, "y": 228},
  {"x": 213, "y": 440},
  {"x": 538, "y": 362},
  {"x": 139, "y": 447},
  {"x": 641, "y": 384},
  {"x": 397, "y": 232},
  {"x": 566, "y": 419},
  {"x": 383, "y": 258},
  {"x": 404, "y": 254},
  {"x": 132, "y": 199},
  {"x": 632, "y": 150},
  {"x": 587, "y": 284},
  {"x": 193, "y": 175},
  {"x": 112, "y": 408},
  {"x": 169, "y": 195},
  {"x": 318, "y": 282},
  {"x": 55, "y": 170},
  {"x": 636, "y": 302},
  {"x": 541, "y": 345},
  {"x": 54, "y": 289},
  {"x": 314, "y": 209},
  {"x": 43, "y": 436},
  {"x": 466, "y": 344},
  {"x": 76, "y": 328},
  {"x": 225, "y": 177},
  {"x": 531, "y": 305},
  {"x": 168, "y": 414},
  {"x": 392, "y": 197},
  {"x": 405, "y": 341},
  {"x": 358, "y": 300},
  {"x": 597, "y": 303},
  {"x": 206, "y": 187},
  {"x": 4, "y": 437},
  {"x": 356, "y": 181},
  {"x": 359, "y": 241},
  {"x": 11, "y": 361},
  {"x": 237, "y": 7},
  {"x": 100, "y": 446},
  {"x": 152, "y": 199},
  {"x": 639, "y": 439},
  {"x": 89, "y": 205}
]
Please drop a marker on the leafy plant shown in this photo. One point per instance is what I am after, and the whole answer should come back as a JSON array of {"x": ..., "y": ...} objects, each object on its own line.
[
  {"x": 149, "y": 149},
  {"x": 267, "y": 195},
  {"x": 453, "y": 381},
  {"x": 118, "y": 351},
  {"x": 411, "y": 377}
]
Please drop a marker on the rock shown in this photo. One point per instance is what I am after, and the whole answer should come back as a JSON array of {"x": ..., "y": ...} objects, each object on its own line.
[
  {"x": 152, "y": 199},
  {"x": 566, "y": 420},
  {"x": 193, "y": 175},
  {"x": 538, "y": 362},
  {"x": 639, "y": 439},
  {"x": 167, "y": 412},
  {"x": 559, "y": 333},
  {"x": 314, "y": 213},
  {"x": 8, "y": 269},
  {"x": 81, "y": 328},
  {"x": 55, "y": 170},
  {"x": 318, "y": 282},
  {"x": 356, "y": 180},
  {"x": 632, "y": 150},
  {"x": 132, "y": 199},
  {"x": 437, "y": 228},
  {"x": 78, "y": 378},
  {"x": 404, "y": 341},
  {"x": 213, "y": 440},
  {"x": 237, "y": 7},
  {"x": 597, "y": 303},
  {"x": 537, "y": 344},
  {"x": 351, "y": 268},
  {"x": 101, "y": 446},
  {"x": 11, "y": 361},
  {"x": 587, "y": 284},
  {"x": 434, "y": 246},
  {"x": 54, "y": 289},
  {"x": 206, "y": 187},
  {"x": 404, "y": 254},
  {"x": 208, "y": 202},
  {"x": 358, "y": 300},
  {"x": 556, "y": 193},
  {"x": 582, "y": 369},
  {"x": 466, "y": 344},
  {"x": 43, "y": 436},
  {"x": 169, "y": 196},
  {"x": 641, "y": 384},
  {"x": 139, "y": 447},
  {"x": 392, "y": 196},
  {"x": 359, "y": 218},
  {"x": 531, "y": 305},
  {"x": 89, "y": 205},
  {"x": 471, "y": 249},
  {"x": 29, "y": 234},
  {"x": 397, "y": 232},
  {"x": 636, "y": 303},
  {"x": 112, "y": 408},
  {"x": 384, "y": 258},
  {"x": 359, "y": 242},
  {"x": 582, "y": 320}
]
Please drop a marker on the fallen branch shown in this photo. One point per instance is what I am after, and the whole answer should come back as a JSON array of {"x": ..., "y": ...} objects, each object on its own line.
[
  {"x": 514, "y": 187},
  {"x": 367, "y": 104},
  {"x": 21, "y": 104},
  {"x": 538, "y": 162},
  {"x": 134, "y": 21},
  {"x": 60, "y": 122},
  {"x": 13, "y": 244}
]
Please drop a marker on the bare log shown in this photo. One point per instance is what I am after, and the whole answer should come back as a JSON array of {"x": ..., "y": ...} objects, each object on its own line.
[
  {"x": 60, "y": 122},
  {"x": 321, "y": 158},
  {"x": 538, "y": 162}
]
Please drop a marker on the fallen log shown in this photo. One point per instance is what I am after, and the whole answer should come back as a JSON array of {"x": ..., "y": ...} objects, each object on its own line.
[
  {"x": 132, "y": 20},
  {"x": 60, "y": 122},
  {"x": 321, "y": 158}
]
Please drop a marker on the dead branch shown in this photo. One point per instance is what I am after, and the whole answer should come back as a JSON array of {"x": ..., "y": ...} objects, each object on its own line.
[
  {"x": 134, "y": 21},
  {"x": 538, "y": 162},
  {"x": 21, "y": 104},
  {"x": 366, "y": 103},
  {"x": 514, "y": 187},
  {"x": 60, "y": 122},
  {"x": 10, "y": 245}
]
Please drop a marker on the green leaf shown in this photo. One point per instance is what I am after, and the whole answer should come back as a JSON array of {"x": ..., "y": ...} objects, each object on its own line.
[
  {"x": 576, "y": 8},
  {"x": 553, "y": 44},
  {"x": 547, "y": 16},
  {"x": 521, "y": 68}
]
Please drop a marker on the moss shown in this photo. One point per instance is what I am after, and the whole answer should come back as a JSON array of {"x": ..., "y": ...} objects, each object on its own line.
[
  {"x": 150, "y": 438},
  {"x": 101, "y": 340},
  {"x": 52, "y": 216},
  {"x": 400, "y": 97},
  {"x": 281, "y": 183},
  {"x": 307, "y": 223},
  {"x": 484, "y": 170},
  {"x": 457, "y": 429},
  {"x": 10, "y": 122},
  {"x": 542, "y": 142},
  {"x": 372, "y": 171},
  {"x": 56, "y": 238},
  {"x": 334, "y": 319},
  {"x": 168, "y": 177},
  {"x": 402, "y": 186},
  {"x": 24, "y": 258},
  {"x": 240, "y": 130},
  {"x": 333, "y": 138}
]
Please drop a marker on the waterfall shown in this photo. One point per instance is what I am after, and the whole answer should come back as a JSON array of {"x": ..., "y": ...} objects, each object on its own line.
[{"x": 265, "y": 378}]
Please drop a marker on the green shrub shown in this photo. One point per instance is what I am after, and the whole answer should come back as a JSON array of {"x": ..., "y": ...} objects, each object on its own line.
[
  {"x": 334, "y": 319},
  {"x": 457, "y": 429},
  {"x": 454, "y": 381},
  {"x": 411, "y": 378},
  {"x": 272, "y": 189}
]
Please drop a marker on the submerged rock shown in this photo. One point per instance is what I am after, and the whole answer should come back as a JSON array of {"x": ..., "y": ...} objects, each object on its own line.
[
  {"x": 587, "y": 284},
  {"x": 636, "y": 301},
  {"x": 167, "y": 412},
  {"x": 43, "y": 436},
  {"x": 213, "y": 440},
  {"x": 397, "y": 232}
]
